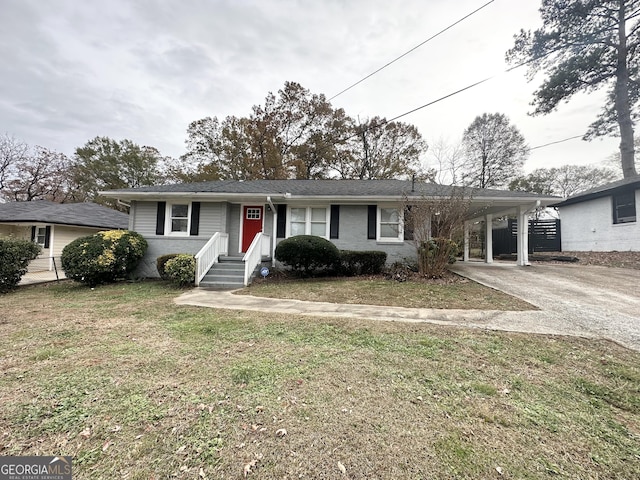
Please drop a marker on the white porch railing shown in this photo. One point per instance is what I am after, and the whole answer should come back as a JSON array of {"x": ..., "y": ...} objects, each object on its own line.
[
  {"x": 260, "y": 247},
  {"x": 208, "y": 255}
]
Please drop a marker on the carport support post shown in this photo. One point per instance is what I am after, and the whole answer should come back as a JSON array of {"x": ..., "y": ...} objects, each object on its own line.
[
  {"x": 466, "y": 242},
  {"x": 488, "y": 224},
  {"x": 523, "y": 236}
]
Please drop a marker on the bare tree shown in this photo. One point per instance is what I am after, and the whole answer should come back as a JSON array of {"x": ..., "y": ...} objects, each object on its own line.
[
  {"x": 32, "y": 173},
  {"x": 435, "y": 224},
  {"x": 12, "y": 151},
  {"x": 447, "y": 159},
  {"x": 564, "y": 181}
]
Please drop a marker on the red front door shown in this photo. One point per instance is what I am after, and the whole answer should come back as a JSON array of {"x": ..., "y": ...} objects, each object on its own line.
[{"x": 251, "y": 224}]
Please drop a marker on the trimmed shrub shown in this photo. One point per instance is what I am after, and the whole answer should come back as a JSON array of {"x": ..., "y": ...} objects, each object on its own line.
[
  {"x": 103, "y": 257},
  {"x": 181, "y": 269},
  {"x": 15, "y": 255},
  {"x": 362, "y": 263},
  {"x": 161, "y": 261},
  {"x": 307, "y": 254}
]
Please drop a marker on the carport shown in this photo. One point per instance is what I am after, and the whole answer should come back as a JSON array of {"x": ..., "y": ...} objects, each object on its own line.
[{"x": 518, "y": 204}]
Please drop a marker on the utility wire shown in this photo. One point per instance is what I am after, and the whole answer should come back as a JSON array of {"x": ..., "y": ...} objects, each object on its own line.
[
  {"x": 411, "y": 50},
  {"x": 553, "y": 143}
]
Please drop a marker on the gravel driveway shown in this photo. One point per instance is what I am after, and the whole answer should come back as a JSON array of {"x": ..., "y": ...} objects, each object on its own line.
[{"x": 587, "y": 301}]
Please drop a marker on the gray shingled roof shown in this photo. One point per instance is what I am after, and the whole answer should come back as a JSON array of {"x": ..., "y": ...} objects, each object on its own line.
[
  {"x": 602, "y": 191},
  {"x": 81, "y": 214},
  {"x": 315, "y": 188}
]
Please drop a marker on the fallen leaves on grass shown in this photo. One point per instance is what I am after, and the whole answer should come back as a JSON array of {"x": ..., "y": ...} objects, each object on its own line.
[{"x": 251, "y": 465}]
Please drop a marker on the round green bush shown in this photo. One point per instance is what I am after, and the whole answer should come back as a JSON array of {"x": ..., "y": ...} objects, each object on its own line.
[
  {"x": 15, "y": 255},
  {"x": 307, "y": 253},
  {"x": 161, "y": 261},
  {"x": 103, "y": 257},
  {"x": 181, "y": 269}
]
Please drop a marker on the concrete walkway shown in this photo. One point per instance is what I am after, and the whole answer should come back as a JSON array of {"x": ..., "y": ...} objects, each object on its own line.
[{"x": 560, "y": 313}]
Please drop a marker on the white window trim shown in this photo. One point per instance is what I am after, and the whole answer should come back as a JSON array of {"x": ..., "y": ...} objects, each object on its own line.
[
  {"x": 400, "y": 237},
  {"x": 167, "y": 224},
  {"x": 307, "y": 219},
  {"x": 43, "y": 227}
]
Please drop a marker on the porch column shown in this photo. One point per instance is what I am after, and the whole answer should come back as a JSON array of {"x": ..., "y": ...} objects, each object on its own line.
[
  {"x": 523, "y": 237},
  {"x": 465, "y": 256},
  {"x": 488, "y": 223},
  {"x": 274, "y": 233},
  {"x": 51, "y": 247}
]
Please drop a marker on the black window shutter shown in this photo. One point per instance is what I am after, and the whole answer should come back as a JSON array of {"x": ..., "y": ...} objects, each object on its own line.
[
  {"x": 408, "y": 224},
  {"x": 281, "y": 227},
  {"x": 33, "y": 233},
  {"x": 162, "y": 207},
  {"x": 195, "y": 219},
  {"x": 372, "y": 219},
  {"x": 335, "y": 221},
  {"x": 47, "y": 235}
]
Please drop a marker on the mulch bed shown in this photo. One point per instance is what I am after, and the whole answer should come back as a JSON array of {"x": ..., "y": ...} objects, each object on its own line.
[{"x": 605, "y": 259}]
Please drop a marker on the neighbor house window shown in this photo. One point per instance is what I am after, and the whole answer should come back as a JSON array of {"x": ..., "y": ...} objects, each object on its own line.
[
  {"x": 624, "y": 207},
  {"x": 178, "y": 219},
  {"x": 390, "y": 226},
  {"x": 41, "y": 236},
  {"x": 308, "y": 221}
]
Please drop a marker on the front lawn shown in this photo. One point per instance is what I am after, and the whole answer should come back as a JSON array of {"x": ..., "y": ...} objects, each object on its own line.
[
  {"x": 453, "y": 292},
  {"x": 133, "y": 386}
]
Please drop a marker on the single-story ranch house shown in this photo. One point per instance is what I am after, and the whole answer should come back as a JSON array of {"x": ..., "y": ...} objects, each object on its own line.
[
  {"x": 248, "y": 218},
  {"x": 602, "y": 219},
  {"x": 54, "y": 225}
]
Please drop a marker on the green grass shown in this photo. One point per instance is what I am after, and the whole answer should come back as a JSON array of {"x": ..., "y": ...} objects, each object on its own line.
[{"x": 133, "y": 386}]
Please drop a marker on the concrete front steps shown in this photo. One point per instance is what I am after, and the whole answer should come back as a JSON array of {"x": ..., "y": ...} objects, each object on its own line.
[{"x": 227, "y": 274}]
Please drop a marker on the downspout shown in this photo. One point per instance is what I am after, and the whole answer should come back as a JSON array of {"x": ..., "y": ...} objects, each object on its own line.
[{"x": 274, "y": 229}]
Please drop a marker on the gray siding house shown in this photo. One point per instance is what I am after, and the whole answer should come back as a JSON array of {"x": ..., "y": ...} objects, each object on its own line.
[{"x": 231, "y": 218}]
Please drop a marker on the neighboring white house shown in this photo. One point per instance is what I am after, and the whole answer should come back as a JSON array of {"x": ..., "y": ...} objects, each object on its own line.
[
  {"x": 602, "y": 219},
  {"x": 54, "y": 225}
]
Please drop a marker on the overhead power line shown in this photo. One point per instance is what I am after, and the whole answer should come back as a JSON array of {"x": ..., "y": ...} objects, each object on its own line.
[
  {"x": 411, "y": 50},
  {"x": 553, "y": 143}
]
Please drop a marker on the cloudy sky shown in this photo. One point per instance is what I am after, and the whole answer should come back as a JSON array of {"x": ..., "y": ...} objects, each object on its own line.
[{"x": 144, "y": 69}]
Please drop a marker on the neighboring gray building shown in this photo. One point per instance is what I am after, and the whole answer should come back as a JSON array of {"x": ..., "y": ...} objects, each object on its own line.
[
  {"x": 602, "y": 219},
  {"x": 226, "y": 217}
]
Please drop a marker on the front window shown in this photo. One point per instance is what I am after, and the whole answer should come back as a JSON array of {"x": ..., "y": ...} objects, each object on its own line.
[
  {"x": 624, "y": 207},
  {"x": 390, "y": 225},
  {"x": 41, "y": 236},
  {"x": 178, "y": 218},
  {"x": 308, "y": 221}
]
